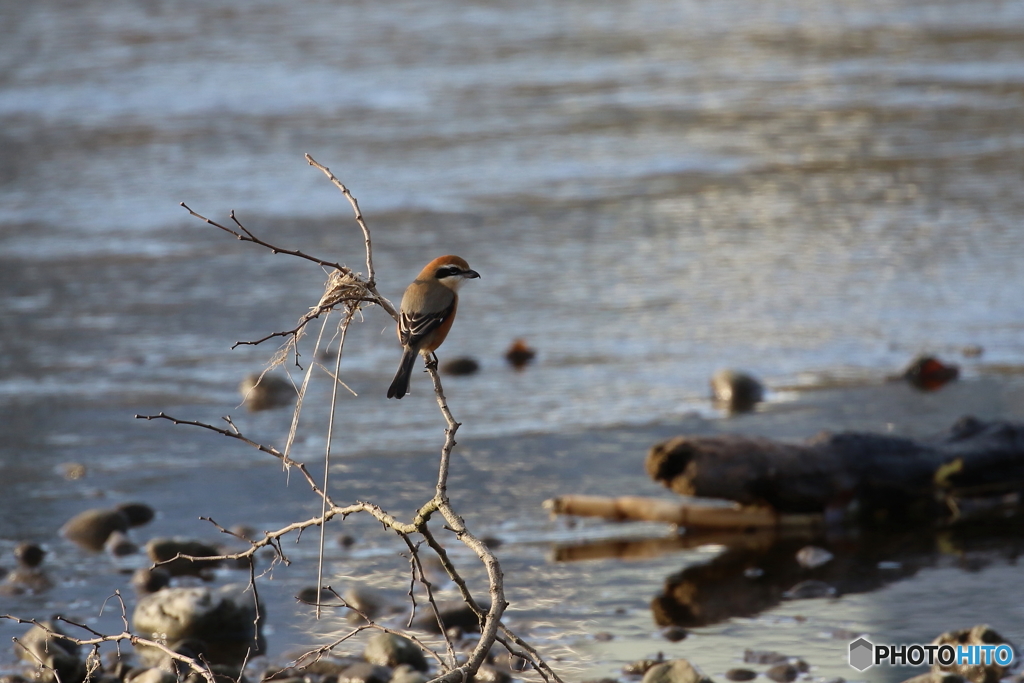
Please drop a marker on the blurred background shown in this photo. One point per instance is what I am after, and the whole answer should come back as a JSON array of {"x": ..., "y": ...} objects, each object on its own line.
[{"x": 814, "y": 191}]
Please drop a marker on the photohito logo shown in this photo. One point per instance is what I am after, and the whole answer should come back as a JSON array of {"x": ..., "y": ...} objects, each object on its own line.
[{"x": 864, "y": 654}]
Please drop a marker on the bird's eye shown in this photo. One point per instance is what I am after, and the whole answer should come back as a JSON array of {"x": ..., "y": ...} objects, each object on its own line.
[{"x": 446, "y": 271}]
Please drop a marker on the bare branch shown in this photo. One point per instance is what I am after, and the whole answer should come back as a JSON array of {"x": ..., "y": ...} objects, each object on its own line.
[
  {"x": 246, "y": 236},
  {"x": 370, "y": 277}
]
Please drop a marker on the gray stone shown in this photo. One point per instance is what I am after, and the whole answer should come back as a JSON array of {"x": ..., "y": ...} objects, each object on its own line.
[
  {"x": 90, "y": 529},
  {"x": 364, "y": 672},
  {"x": 25, "y": 580},
  {"x": 388, "y": 649},
  {"x": 675, "y": 671},
  {"x": 404, "y": 673},
  {"x": 489, "y": 674},
  {"x": 152, "y": 675},
  {"x": 367, "y": 600},
  {"x": 809, "y": 590},
  {"x": 735, "y": 390},
  {"x": 137, "y": 513},
  {"x": 51, "y": 656},
  {"x": 763, "y": 657},
  {"x": 166, "y": 551},
  {"x": 811, "y": 557},
  {"x": 641, "y": 666},
  {"x": 220, "y": 624}
]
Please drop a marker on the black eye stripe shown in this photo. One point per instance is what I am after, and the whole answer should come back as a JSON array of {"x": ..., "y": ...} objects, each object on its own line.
[{"x": 447, "y": 271}]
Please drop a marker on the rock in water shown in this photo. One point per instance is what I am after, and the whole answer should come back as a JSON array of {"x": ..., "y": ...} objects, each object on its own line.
[
  {"x": 460, "y": 366},
  {"x": 736, "y": 391},
  {"x": 60, "y": 658},
  {"x": 519, "y": 354},
  {"x": 165, "y": 552},
  {"x": 221, "y": 624},
  {"x": 675, "y": 671},
  {"x": 90, "y": 529},
  {"x": 388, "y": 649},
  {"x": 811, "y": 556}
]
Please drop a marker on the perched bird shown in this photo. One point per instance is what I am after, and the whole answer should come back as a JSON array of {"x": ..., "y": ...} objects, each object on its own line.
[{"x": 427, "y": 313}]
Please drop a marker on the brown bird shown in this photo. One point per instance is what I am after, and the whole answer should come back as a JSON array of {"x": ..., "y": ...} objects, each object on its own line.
[{"x": 427, "y": 313}]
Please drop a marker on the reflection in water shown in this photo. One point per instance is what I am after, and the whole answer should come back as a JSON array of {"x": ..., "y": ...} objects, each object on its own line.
[{"x": 757, "y": 570}]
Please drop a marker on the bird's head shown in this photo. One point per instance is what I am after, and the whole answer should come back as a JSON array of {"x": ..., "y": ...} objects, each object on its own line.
[{"x": 450, "y": 271}]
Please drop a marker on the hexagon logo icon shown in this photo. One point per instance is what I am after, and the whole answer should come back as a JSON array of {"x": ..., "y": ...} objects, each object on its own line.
[{"x": 862, "y": 653}]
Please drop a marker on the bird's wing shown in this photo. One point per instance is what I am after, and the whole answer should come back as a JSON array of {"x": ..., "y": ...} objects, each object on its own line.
[{"x": 414, "y": 327}]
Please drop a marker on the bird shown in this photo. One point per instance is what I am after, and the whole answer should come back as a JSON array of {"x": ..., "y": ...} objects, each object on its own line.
[{"x": 427, "y": 313}]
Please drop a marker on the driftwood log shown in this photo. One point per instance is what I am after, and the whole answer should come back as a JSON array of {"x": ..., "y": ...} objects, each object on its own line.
[
  {"x": 691, "y": 513},
  {"x": 871, "y": 476}
]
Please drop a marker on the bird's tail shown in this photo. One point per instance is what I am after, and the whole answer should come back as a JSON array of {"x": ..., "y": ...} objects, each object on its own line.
[{"x": 400, "y": 385}]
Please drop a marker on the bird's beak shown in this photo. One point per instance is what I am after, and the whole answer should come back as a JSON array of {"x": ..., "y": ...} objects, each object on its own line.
[{"x": 470, "y": 274}]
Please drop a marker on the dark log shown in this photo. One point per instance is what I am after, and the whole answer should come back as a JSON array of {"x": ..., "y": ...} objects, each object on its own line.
[{"x": 880, "y": 477}]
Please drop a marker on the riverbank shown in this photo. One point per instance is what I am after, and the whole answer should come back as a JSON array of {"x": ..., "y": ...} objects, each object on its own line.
[{"x": 591, "y": 617}]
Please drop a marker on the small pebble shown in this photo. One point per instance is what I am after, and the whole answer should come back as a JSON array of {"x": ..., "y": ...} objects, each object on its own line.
[
  {"x": 137, "y": 513},
  {"x": 740, "y": 675},
  {"x": 308, "y": 596},
  {"x": 783, "y": 673},
  {"x": 150, "y": 580},
  {"x": 604, "y": 637},
  {"x": 674, "y": 634},
  {"x": 165, "y": 551},
  {"x": 811, "y": 556},
  {"x": 642, "y": 666},
  {"x": 489, "y": 674},
  {"x": 119, "y": 545},
  {"x": 460, "y": 366},
  {"x": 268, "y": 392},
  {"x": 763, "y": 657},
  {"x": 736, "y": 391},
  {"x": 972, "y": 351},
  {"x": 29, "y": 554},
  {"x": 74, "y": 471}
]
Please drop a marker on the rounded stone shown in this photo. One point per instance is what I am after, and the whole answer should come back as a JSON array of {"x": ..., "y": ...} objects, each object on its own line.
[
  {"x": 90, "y": 529},
  {"x": 29, "y": 554},
  {"x": 783, "y": 673},
  {"x": 364, "y": 672},
  {"x": 388, "y": 649},
  {"x": 220, "y": 623},
  {"x": 675, "y": 671},
  {"x": 137, "y": 513},
  {"x": 460, "y": 366},
  {"x": 153, "y": 675},
  {"x": 54, "y": 658}
]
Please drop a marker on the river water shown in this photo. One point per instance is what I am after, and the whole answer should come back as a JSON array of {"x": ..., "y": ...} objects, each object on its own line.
[{"x": 651, "y": 190}]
